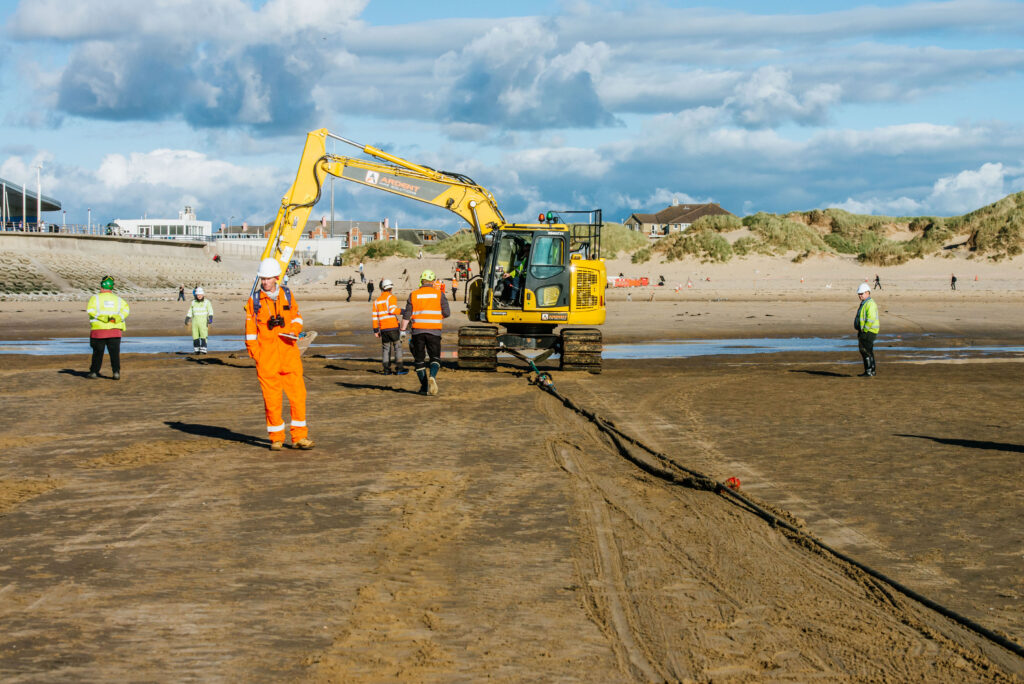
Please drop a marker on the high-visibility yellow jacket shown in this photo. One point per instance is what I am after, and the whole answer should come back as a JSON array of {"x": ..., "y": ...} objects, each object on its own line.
[
  {"x": 107, "y": 311},
  {"x": 867, "y": 317}
]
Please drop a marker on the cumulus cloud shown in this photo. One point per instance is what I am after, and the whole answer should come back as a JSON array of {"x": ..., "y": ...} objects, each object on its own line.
[
  {"x": 767, "y": 99},
  {"x": 514, "y": 76},
  {"x": 950, "y": 195}
]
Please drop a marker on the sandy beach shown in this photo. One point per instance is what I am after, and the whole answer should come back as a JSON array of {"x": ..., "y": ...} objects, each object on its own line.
[{"x": 492, "y": 532}]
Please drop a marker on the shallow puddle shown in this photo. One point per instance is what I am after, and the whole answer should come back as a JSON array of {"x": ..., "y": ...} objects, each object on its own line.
[
  {"x": 921, "y": 346},
  {"x": 770, "y": 345}
]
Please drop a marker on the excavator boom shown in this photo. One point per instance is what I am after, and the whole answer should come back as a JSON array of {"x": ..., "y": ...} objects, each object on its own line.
[{"x": 532, "y": 277}]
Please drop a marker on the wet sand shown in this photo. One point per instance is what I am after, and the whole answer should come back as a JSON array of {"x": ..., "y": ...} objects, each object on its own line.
[{"x": 146, "y": 532}]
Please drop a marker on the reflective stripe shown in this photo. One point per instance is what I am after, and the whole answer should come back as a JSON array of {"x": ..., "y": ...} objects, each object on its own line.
[
  {"x": 249, "y": 338},
  {"x": 297, "y": 320},
  {"x": 275, "y": 428},
  {"x": 298, "y": 423}
]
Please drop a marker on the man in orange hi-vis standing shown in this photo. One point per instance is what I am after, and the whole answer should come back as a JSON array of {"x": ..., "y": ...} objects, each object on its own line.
[{"x": 272, "y": 328}]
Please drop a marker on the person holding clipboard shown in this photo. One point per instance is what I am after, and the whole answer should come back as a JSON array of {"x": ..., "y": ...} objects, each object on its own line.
[{"x": 273, "y": 326}]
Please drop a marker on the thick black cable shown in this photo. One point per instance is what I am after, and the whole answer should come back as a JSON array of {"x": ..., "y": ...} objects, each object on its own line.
[{"x": 698, "y": 480}]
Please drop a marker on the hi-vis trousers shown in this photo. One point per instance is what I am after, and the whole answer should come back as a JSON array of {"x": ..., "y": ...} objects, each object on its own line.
[{"x": 272, "y": 385}]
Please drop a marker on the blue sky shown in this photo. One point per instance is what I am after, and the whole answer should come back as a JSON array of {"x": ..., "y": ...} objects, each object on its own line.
[{"x": 132, "y": 109}]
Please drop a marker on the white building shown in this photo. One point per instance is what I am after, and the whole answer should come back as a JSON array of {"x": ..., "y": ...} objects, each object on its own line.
[{"x": 185, "y": 227}]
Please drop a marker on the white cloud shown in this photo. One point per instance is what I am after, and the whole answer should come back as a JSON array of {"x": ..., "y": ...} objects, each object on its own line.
[
  {"x": 767, "y": 99},
  {"x": 950, "y": 195},
  {"x": 582, "y": 163},
  {"x": 970, "y": 190}
]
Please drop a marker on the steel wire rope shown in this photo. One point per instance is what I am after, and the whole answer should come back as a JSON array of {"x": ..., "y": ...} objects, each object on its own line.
[{"x": 698, "y": 480}]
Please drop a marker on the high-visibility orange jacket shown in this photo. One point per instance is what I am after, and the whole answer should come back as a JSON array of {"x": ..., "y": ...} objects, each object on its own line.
[
  {"x": 266, "y": 346},
  {"x": 385, "y": 311},
  {"x": 439, "y": 285},
  {"x": 428, "y": 308}
]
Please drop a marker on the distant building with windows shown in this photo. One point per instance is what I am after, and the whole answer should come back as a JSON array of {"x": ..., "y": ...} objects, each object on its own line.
[
  {"x": 674, "y": 219},
  {"x": 185, "y": 227}
]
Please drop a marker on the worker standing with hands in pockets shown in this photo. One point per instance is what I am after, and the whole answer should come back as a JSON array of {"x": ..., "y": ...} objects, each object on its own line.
[
  {"x": 866, "y": 325},
  {"x": 200, "y": 315},
  {"x": 272, "y": 328},
  {"x": 106, "y": 312}
]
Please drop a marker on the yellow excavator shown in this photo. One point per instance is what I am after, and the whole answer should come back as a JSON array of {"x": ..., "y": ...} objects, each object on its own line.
[{"x": 533, "y": 277}]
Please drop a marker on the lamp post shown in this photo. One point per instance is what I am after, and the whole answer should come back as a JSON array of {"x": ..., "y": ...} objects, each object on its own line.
[
  {"x": 39, "y": 194},
  {"x": 89, "y": 228}
]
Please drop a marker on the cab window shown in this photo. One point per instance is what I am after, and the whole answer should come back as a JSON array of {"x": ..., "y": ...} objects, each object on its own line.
[{"x": 548, "y": 253}]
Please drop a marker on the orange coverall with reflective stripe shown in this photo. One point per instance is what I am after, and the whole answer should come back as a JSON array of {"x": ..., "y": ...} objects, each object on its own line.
[{"x": 278, "y": 362}]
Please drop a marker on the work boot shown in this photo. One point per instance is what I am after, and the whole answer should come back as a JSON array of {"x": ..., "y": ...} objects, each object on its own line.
[
  {"x": 305, "y": 443},
  {"x": 422, "y": 373},
  {"x": 117, "y": 375},
  {"x": 401, "y": 371},
  {"x": 93, "y": 375},
  {"x": 432, "y": 386},
  {"x": 276, "y": 446}
]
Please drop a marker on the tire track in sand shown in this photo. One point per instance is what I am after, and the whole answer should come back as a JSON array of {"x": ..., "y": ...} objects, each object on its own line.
[{"x": 698, "y": 589}]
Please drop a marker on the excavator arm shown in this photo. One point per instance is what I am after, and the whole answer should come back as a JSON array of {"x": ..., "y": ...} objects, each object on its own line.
[{"x": 451, "y": 191}]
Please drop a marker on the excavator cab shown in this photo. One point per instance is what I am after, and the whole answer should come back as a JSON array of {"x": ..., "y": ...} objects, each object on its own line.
[{"x": 530, "y": 270}]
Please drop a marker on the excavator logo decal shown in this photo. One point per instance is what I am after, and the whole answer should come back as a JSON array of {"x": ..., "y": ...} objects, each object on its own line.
[{"x": 372, "y": 177}]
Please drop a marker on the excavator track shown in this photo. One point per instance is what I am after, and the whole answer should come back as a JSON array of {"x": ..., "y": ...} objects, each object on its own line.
[
  {"x": 581, "y": 350},
  {"x": 478, "y": 347}
]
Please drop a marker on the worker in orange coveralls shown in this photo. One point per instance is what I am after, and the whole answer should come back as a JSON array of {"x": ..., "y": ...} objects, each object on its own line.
[{"x": 272, "y": 328}]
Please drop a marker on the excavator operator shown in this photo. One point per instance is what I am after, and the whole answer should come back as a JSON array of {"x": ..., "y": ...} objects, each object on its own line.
[
  {"x": 272, "y": 328},
  {"x": 514, "y": 278}
]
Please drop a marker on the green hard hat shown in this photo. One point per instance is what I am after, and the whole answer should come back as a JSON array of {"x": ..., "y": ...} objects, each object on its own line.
[
  {"x": 107, "y": 283},
  {"x": 428, "y": 275}
]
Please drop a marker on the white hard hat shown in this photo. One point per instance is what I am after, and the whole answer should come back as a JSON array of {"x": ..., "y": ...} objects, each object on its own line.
[
  {"x": 863, "y": 288},
  {"x": 198, "y": 291},
  {"x": 269, "y": 268},
  {"x": 386, "y": 284}
]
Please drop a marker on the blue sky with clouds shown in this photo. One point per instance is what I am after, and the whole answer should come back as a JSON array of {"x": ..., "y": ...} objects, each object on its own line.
[{"x": 136, "y": 109}]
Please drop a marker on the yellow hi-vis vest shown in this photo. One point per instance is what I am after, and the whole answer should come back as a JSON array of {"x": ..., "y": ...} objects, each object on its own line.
[
  {"x": 867, "y": 316},
  {"x": 107, "y": 311}
]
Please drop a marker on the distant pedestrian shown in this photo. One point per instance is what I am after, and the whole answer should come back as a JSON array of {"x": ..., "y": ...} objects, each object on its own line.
[
  {"x": 878, "y": 282},
  {"x": 181, "y": 293},
  {"x": 455, "y": 289},
  {"x": 952, "y": 283},
  {"x": 866, "y": 325},
  {"x": 369, "y": 289},
  {"x": 106, "y": 312},
  {"x": 348, "y": 288},
  {"x": 420, "y": 255},
  {"x": 200, "y": 316},
  {"x": 362, "y": 276}
]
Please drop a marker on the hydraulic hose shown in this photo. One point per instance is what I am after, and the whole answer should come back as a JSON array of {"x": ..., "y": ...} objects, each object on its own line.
[{"x": 697, "y": 480}]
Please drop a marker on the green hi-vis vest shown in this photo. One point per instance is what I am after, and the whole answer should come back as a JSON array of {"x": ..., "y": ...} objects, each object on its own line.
[
  {"x": 867, "y": 316},
  {"x": 107, "y": 311}
]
